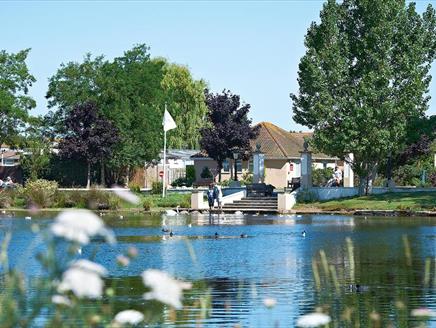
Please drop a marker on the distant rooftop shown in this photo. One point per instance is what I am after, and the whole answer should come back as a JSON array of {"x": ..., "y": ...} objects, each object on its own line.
[{"x": 277, "y": 143}]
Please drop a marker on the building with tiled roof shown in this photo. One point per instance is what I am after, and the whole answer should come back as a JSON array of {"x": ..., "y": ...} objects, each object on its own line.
[{"x": 282, "y": 156}]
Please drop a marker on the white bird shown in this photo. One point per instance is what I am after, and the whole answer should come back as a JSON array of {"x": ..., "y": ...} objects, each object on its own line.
[
  {"x": 121, "y": 217},
  {"x": 79, "y": 250},
  {"x": 172, "y": 212},
  {"x": 28, "y": 218},
  {"x": 190, "y": 225},
  {"x": 239, "y": 213},
  {"x": 3, "y": 212},
  {"x": 303, "y": 233}
]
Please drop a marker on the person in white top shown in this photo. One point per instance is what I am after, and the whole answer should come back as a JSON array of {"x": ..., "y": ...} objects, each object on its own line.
[
  {"x": 337, "y": 175},
  {"x": 218, "y": 195}
]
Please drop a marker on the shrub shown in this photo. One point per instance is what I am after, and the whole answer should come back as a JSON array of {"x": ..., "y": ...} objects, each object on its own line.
[
  {"x": 114, "y": 202},
  {"x": 190, "y": 174},
  {"x": 5, "y": 200},
  {"x": 41, "y": 192},
  {"x": 135, "y": 187},
  {"x": 247, "y": 178},
  {"x": 148, "y": 204},
  {"x": 156, "y": 187},
  {"x": 206, "y": 173},
  {"x": 182, "y": 182},
  {"x": 320, "y": 177}
]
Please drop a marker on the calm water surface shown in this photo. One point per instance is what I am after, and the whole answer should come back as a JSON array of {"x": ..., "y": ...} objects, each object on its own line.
[{"x": 273, "y": 261}]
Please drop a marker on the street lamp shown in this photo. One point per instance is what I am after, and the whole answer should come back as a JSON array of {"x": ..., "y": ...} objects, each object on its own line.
[{"x": 235, "y": 157}]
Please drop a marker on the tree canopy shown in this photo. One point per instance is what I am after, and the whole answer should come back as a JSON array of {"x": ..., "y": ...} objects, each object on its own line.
[
  {"x": 15, "y": 103},
  {"x": 228, "y": 127},
  {"x": 131, "y": 92},
  {"x": 88, "y": 135},
  {"x": 364, "y": 76}
]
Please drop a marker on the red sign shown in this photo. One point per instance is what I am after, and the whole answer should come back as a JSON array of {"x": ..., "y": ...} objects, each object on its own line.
[{"x": 161, "y": 174}]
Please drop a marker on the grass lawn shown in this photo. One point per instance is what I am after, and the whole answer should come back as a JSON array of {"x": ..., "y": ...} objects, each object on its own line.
[
  {"x": 390, "y": 201},
  {"x": 156, "y": 202}
]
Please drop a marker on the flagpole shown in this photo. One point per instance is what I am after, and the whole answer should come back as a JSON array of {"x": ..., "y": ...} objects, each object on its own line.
[{"x": 164, "y": 160}]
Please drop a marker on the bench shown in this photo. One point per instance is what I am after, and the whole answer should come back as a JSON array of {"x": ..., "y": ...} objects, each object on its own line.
[
  {"x": 259, "y": 189},
  {"x": 294, "y": 184}
]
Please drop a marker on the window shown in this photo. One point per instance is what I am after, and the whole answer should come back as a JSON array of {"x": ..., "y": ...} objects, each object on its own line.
[
  {"x": 251, "y": 166},
  {"x": 239, "y": 165},
  {"x": 226, "y": 166},
  {"x": 8, "y": 162}
]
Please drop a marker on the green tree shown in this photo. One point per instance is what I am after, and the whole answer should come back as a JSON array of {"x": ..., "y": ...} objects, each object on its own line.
[
  {"x": 74, "y": 84},
  {"x": 131, "y": 92},
  {"x": 186, "y": 101},
  {"x": 36, "y": 158},
  {"x": 15, "y": 81},
  {"x": 365, "y": 74}
]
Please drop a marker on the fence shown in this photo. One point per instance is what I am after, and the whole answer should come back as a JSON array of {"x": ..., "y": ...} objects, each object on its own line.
[{"x": 145, "y": 177}]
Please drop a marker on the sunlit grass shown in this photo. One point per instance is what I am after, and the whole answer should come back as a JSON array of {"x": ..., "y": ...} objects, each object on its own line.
[{"x": 389, "y": 201}]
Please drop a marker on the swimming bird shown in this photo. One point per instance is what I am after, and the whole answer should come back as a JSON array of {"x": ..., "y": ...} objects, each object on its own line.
[
  {"x": 190, "y": 225},
  {"x": 28, "y": 218},
  {"x": 239, "y": 213},
  {"x": 79, "y": 251},
  {"x": 303, "y": 234},
  {"x": 216, "y": 234},
  {"x": 172, "y": 212},
  {"x": 243, "y": 235},
  {"x": 165, "y": 230},
  {"x": 171, "y": 234}
]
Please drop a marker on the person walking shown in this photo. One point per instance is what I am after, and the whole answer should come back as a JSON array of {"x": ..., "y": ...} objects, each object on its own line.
[
  {"x": 210, "y": 196},
  {"x": 218, "y": 195}
]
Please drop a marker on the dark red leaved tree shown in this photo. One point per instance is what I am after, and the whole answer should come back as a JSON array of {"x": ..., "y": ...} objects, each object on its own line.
[{"x": 88, "y": 136}]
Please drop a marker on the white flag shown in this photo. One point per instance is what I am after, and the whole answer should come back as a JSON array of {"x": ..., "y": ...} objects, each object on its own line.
[{"x": 168, "y": 122}]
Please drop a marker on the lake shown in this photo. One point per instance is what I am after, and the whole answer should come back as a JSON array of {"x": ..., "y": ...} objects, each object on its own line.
[{"x": 273, "y": 260}]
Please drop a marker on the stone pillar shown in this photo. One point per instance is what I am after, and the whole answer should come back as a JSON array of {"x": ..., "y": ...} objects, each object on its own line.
[
  {"x": 197, "y": 202},
  {"x": 285, "y": 201},
  {"x": 348, "y": 172},
  {"x": 258, "y": 165},
  {"x": 306, "y": 169}
]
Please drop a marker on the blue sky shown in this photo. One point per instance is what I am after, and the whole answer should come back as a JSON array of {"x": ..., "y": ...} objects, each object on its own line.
[{"x": 250, "y": 47}]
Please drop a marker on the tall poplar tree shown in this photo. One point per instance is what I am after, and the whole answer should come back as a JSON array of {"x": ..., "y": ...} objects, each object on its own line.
[{"x": 365, "y": 74}]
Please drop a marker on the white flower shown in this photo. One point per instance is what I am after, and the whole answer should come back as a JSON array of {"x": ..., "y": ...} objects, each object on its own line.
[
  {"x": 423, "y": 312},
  {"x": 83, "y": 278},
  {"x": 60, "y": 300},
  {"x": 126, "y": 195},
  {"x": 313, "y": 320},
  {"x": 79, "y": 226},
  {"x": 164, "y": 288},
  {"x": 130, "y": 317},
  {"x": 269, "y": 302}
]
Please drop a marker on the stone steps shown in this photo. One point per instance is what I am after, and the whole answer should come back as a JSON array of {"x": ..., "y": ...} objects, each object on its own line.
[{"x": 253, "y": 205}]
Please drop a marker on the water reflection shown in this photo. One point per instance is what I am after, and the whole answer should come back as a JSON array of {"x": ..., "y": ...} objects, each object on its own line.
[{"x": 274, "y": 261}]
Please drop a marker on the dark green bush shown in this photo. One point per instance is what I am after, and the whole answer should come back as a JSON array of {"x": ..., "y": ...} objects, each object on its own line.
[
  {"x": 190, "y": 174},
  {"x": 206, "y": 173}
]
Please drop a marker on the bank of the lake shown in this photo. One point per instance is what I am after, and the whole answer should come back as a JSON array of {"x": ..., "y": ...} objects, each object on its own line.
[{"x": 407, "y": 202}]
